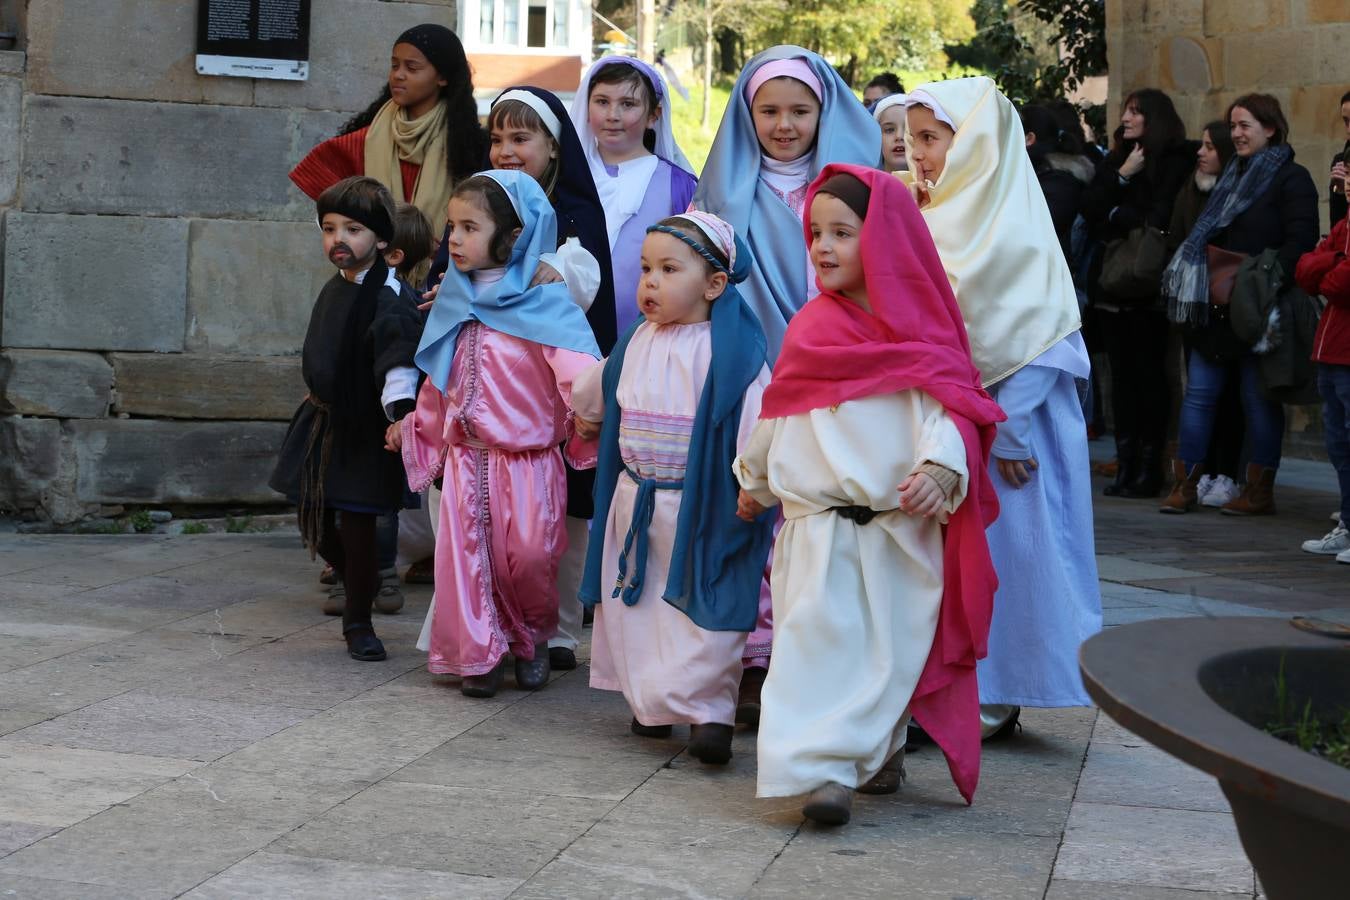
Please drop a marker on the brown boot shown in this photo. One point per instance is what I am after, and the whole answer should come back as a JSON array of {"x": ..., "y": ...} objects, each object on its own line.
[
  {"x": 889, "y": 779},
  {"x": 1258, "y": 495},
  {"x": 1185, "y": 495}
]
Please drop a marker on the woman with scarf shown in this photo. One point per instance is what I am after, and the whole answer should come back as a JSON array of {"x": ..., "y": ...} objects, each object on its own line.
[
  {"x": 419, "y": 137},
  {"x": 1263, "y": 200},
  {"x": 979, "y": 196}
]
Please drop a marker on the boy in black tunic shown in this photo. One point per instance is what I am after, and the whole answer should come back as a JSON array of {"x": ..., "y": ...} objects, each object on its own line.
[{"x": 358, "y": 351}]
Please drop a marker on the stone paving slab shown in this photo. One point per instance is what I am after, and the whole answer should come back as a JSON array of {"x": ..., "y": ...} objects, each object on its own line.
[
  {"x": 308, "y": 878},
  {"x": 188, "y": 691}
]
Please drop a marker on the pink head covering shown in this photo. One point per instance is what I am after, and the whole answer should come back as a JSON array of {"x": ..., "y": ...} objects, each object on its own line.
[
  {"x": 719, "y": 231},
  {"x": 796, "y": 67}
]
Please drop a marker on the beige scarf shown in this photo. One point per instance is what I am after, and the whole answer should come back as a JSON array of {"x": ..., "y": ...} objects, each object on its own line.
[{"x": 393, "y": 137}]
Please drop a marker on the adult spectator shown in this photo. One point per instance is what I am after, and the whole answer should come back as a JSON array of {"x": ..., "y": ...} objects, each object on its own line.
[
  {"x": 1061, "y": 168},
  {"x": 1263, "y": 200},
  {"x": 883, "y": 85},
  {"x": 1134, "y": 189},
  {"x": 1219, "y": 485}
]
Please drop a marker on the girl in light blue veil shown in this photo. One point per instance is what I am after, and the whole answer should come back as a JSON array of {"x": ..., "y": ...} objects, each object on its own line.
[{"x": 752, "y": 187}]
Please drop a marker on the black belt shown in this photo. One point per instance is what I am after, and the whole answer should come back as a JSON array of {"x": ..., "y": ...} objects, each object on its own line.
[{"x": 860, "y": 514}]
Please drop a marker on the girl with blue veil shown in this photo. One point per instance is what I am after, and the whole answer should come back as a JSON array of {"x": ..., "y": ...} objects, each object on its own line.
[
  {"x": 500, "y": 354},
  {"x": 790, "y": 115}
]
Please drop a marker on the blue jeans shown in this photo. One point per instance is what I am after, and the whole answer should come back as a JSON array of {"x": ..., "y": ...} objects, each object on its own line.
[
  {"x": 1265, "y": 417},
  {"x": 1333, "y": 383}
]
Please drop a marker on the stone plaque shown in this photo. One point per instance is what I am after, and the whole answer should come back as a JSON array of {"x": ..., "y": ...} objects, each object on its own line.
[{"x": 253, "y": 38}]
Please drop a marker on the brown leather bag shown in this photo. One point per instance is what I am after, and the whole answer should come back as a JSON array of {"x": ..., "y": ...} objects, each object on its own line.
[{"x": 1223, "y": 269}]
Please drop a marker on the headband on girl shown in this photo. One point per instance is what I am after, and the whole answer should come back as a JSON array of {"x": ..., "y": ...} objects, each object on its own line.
[
  {"x": 796, "y": 67},
  {"x": 887, "y": 102},
  {"x": 923, "y": 98},
  {"x": 540, "y": 109},
  {"x": 693, "y": 245},
  {"x": 848, "y": 189}
]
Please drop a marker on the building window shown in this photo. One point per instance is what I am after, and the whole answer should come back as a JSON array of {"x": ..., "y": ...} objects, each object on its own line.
[
  {"x": 537, "y": 25},
  {"x": 486, "y": 18},
  {"x": 560, "y": 36},
  {"x": 511, "y": 23}
]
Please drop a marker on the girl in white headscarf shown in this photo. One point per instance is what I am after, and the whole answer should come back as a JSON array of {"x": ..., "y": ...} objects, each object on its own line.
[{"x": 978, "y": 193}]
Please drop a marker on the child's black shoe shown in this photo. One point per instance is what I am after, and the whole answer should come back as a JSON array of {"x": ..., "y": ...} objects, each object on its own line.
[{"x": 362, "y": 643}]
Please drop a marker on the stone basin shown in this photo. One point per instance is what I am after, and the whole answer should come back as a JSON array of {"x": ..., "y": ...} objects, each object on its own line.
[{"x": 1203, "y": 690}]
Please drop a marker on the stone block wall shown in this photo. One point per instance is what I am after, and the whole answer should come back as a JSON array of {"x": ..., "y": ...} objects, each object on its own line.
[
  {"x": 158, "y": 265},
  {"x": 1206, "y": 53}
]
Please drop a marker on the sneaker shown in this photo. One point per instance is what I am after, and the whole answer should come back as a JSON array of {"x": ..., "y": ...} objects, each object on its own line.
[
  {"x": 1203, "y": 487},
  {"x": 1343, "y": 557},
  {"x": 1333, "y": 543},
  {"x": 1222, "y": 491},
  {"x": 389, "y": 598}
]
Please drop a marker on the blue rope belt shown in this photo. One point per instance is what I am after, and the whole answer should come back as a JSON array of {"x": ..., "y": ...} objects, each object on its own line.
[{"x": 636, "y": 541}]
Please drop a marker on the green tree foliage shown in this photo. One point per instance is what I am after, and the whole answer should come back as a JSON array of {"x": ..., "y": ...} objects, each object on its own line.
[
  {"x": 1037, "y": 50},
  {"x": 859, "y": 36}
]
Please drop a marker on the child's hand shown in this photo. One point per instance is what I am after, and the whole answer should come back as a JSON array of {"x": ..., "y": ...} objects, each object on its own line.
[
  {"x": 545, "y": 274},
  {"x": 393, "y": 437},
  {"x": 430, "y": 296},
  {"x": 747, "y": 507},
  {"x": 920, "y": 495},
  {"x": 1015, "y": 471},
  {"x": 919, "y": 191},
  {"x": 585, "y": 428}
]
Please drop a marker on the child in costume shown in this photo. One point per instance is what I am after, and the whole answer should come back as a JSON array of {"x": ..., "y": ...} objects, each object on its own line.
[
  {"x": 985, "y": 209},
  {"x": 790, "y": 114},
  {"x": 675, "y": 574},
  {"x": 499, "y": 356},
  {"x": 622, "y": 116},
  {"x": 357, "y": 366},
  {"x": 529, "y": 130},
  {"x": 874, "y": 436}
]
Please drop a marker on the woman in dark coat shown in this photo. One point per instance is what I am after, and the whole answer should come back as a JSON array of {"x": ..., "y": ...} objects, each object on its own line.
[
  {"x": 1135, "y": 186},
  {"x": 1264, "y": 200}
]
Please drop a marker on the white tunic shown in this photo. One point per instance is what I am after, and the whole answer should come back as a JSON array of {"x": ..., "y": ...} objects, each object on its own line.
[
  {"x": 670, "y": 670},
  {"x": 855, "y": 607}
]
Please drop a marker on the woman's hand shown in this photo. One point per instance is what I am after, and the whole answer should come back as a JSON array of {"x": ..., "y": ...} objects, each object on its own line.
[
  {"x": 1338, "y": 173},
  {"x": 920, "y": 495},
  {"x": 1015, "y": 471},
  {"x": 1134, "y": 163},
  {"x": 430, "y": 296},
  {"x": 747, "y": 507},
  {"x": 585, "y": 428},
  {"x": 545, "y": 274},
  {"x": 393, "y": 437}
]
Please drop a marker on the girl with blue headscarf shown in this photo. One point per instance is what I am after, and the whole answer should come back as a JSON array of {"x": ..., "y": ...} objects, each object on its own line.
[
  {"x": 499, "y": 355},
  {"x": 791, "y": 114},
  {"x": 674, "y": 572},
  {"x": 622, "y": 115}
]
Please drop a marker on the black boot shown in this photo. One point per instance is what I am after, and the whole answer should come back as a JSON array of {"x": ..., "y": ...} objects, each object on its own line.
[
  {"x": 1148, "y": 481},
  {"x": 1127, "y": 465}
]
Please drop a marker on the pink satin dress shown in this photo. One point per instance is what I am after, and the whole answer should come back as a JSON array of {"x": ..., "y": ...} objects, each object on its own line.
[{"x": 493, "y": 438}]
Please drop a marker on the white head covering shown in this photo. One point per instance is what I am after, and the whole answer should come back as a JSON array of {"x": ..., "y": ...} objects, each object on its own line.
[
  {"x": 540, "y": 109},
  {"x": 666, "y": 148},
  {"x": 992, "y": 228},
  {"x": 887, "y": 102}
]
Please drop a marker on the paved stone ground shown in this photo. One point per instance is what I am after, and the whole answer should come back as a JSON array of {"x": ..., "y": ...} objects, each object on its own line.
[{"x": 177, "y": 718}]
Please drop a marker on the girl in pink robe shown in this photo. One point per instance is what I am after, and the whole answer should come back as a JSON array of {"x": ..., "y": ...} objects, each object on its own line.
[{"x": 500, "y": 357}]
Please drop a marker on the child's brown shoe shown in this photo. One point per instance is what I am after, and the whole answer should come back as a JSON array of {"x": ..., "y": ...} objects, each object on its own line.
[
  {"x": 711, "y": 744},
  {"x": 889, "y": 778},
  {"x": 829, "y": 804},
  {"x": 747, "y": 703}
]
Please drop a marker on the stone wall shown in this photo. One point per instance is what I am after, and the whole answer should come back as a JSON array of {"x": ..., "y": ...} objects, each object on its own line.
[
  {"x": 159, "y": 267},
  {"x": 1206, "y": 53}
]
